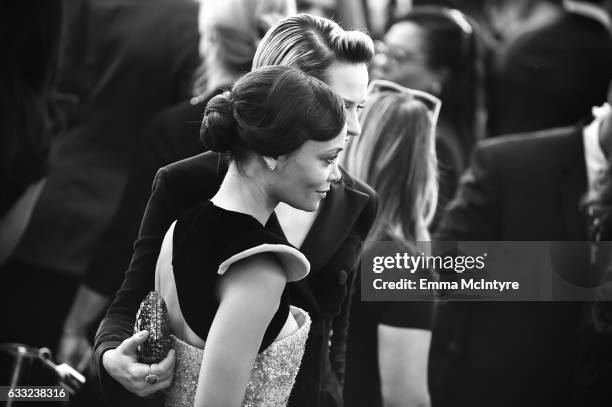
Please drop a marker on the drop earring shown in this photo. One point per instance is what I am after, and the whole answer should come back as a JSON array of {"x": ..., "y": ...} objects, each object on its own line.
[{"x": 270, "y": 163}]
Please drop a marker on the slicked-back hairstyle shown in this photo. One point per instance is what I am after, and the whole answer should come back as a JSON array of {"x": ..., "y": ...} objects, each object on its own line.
[
  {"x": 395, "y": 155},
  {"x": 312, "y": 44}
]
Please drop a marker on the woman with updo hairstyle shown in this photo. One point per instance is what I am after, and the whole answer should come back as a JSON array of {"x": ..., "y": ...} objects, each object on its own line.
[
  {"x": 230, "y": 31},
  {"x": 330, "y": 237},
  {"x": 236, "y": 338},
  {"x": 271, "y": 121}
]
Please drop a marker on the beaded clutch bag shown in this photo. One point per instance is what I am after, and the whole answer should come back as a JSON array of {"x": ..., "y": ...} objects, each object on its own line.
[{"x": 153, "y": 317}]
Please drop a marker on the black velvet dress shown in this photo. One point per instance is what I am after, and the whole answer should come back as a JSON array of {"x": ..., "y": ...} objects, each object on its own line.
[{"x": 200, "y": 247}]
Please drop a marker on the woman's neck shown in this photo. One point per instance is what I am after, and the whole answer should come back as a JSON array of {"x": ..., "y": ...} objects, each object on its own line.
[{"x": 241, "y": 194}]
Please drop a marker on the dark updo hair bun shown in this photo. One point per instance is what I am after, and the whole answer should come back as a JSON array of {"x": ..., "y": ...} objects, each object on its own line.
[
  {"x": 219, "y": 130},
  {"x": 271, "y": 111}
]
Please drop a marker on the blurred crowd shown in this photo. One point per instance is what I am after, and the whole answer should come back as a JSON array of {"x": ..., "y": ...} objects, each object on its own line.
[{"x": 508, "y": 139}]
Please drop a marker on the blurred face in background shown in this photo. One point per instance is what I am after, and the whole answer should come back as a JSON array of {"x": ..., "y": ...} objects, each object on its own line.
[{"x": 402, "y": 58}]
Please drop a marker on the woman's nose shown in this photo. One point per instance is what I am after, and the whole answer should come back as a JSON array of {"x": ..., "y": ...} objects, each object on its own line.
[
  {"x": 335, "y": 175},
  {"x": 353, "y": 128}
]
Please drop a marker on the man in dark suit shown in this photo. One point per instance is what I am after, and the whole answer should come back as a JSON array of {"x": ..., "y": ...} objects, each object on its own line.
[
  {"x": 551, "y": 76},
  {"x": 524, "y": 187}
]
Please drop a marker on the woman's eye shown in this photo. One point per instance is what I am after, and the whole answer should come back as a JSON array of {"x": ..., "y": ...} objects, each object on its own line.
[
  {"x": 361, "y": 107},
  {"x": 351, "y": 107},
  {"x": 331, "y": 160}
]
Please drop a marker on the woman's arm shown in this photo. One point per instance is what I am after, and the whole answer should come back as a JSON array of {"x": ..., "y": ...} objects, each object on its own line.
[
  {"x": 402, "y": 357},
  {"x": 176, "y": 188},
  {"x": 118, "y": 324},
  {"x": 249, "y": 296}
]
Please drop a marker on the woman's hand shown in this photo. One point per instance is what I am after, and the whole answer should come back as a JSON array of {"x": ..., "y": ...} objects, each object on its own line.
[
  {"x": 402, "y": 358},
  {"x": 122, "y": 364}
]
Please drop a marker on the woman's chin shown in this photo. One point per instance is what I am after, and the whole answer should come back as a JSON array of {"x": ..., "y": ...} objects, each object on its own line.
[{"x": 309, "y": 206}]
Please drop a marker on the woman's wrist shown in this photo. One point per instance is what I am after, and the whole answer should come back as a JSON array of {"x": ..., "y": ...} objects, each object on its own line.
[{"x": 107, "y": 360}]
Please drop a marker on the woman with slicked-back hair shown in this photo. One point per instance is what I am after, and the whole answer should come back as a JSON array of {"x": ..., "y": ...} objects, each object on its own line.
[{"x": 330, "y": 237}]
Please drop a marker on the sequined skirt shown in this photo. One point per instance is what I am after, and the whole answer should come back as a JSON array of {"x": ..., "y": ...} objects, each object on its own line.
[{"x": 272, "y": 377}]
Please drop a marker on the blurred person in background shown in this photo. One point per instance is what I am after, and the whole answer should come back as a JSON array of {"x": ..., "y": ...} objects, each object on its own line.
[
  {"x": 29, "y": 40},
  {"x": 330, "y": 238},
  {"x": 381, "y": 13},
  {"x": 319, "y": 8},
  {"x": 436, "y": 50},
  {"x": 552, "y": 75},
  {"x": 522, "y": 187},
  {"x": 594, "y": 363},
  {"x": 350, "y": 14},
  {"x": 388, "y": 342},
  {"x": 500, "y": 21},
  {"x": 120, "y": 63},
  {"x": 229, "y": 34},
  {"x": 508, "y": 19}
]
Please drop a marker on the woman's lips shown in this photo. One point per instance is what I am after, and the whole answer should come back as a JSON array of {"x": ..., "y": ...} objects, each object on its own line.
[{"x": 323, "y": 193}]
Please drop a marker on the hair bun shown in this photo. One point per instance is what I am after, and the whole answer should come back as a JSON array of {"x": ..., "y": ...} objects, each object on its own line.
[{"x": 219, "y": 129}]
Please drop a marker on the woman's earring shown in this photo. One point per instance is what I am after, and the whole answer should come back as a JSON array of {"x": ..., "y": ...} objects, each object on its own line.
[{"x": 271, "y": 163}]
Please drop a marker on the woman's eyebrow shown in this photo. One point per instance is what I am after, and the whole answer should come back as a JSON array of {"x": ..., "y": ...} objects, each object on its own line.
[
  {"x": 334, "y": 150},
  {"x": 349, "y": 103}
]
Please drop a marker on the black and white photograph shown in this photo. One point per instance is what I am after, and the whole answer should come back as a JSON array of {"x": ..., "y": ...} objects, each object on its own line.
[{"x": 306, "y": 203}]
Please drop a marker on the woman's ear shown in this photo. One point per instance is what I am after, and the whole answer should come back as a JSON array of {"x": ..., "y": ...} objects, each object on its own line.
[{"x": 271, "y": 162}]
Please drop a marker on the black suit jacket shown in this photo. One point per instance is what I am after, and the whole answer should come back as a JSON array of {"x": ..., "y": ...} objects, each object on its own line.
[
  {"x": 551, "y": 76},
  {"x": 525, "y": 187},
  {"x": 172, "y": 135},
  {"x": 332, "y": 247}
]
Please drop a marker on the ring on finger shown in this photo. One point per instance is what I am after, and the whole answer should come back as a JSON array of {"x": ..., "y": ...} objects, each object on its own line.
[{"x": 151, "y": 378}]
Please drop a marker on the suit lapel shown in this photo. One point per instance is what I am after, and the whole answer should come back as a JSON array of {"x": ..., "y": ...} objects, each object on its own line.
[{"x": 573, "y": 186}]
